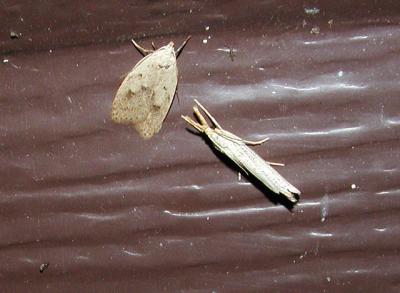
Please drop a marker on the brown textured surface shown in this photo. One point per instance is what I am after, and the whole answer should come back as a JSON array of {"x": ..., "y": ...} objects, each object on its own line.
[{"x": 111, "y": 212}]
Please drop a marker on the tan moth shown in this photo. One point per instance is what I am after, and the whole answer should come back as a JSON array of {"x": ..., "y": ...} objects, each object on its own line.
[
  {"x": 146, "y": 94},
  {"x": 236, "y": 149}
]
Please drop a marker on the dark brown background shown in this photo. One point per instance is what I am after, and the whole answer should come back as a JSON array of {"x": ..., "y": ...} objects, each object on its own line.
[{"x": 111, "y": 212}]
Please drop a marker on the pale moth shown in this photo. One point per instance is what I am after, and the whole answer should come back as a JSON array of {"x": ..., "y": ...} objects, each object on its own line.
[
  {"x": 146, "y": 94},
  {"x": 237, "y": 150}
]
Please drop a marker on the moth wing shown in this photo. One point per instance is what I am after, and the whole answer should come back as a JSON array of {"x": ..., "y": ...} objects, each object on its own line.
[
  {"x": 225, "y": 141},
  {"x": 269, "y": 176},
  {"x": 146, "y": 94},
  {"x": 164, "y": 90},
  {"x": 276, "y": 182},
  {"x": 132, "y": 100}
]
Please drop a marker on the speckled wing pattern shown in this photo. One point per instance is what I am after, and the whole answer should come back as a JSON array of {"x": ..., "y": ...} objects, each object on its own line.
[
  {"x": 251, "y": 163},
  {"x": 145, "y": 95}
]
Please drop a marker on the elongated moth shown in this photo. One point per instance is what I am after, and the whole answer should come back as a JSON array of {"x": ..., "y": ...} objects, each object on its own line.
[
  {"x": 236, "y": 149},
  {"x": 146, "y": 94}
]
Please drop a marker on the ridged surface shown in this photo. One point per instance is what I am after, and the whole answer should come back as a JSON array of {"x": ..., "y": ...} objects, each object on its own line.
[{"x": 111, "y": 212}]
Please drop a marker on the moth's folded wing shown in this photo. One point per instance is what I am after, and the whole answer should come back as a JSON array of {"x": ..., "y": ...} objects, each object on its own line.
[
  {"x": 131, "y": 102},
  {"x": 275, "y": 181},
  {"x": 270, "y": 177},
  {"x": 252, "y": 163},
  {"x": 228, "y": 146}
]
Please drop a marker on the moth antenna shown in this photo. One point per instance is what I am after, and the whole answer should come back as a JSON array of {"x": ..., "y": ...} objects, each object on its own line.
[
  {"x": 141, "y": 50},
  {"x": 179, "y": 50}
]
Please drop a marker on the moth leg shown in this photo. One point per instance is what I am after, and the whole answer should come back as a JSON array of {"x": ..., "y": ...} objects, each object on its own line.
[
  {"x": 213, "y": 120},
  {"x": 196, "y": 125},
  {"x": 154, "y": 46},
  {"x": 177, "y": 95},
  {"x": 179, "y": 50},
  {"x": 249, "y": 142},
  {"x": 275, "y": 164},
  {"x": 141, "y": 50},
  {"x": 257, "y": 142}
]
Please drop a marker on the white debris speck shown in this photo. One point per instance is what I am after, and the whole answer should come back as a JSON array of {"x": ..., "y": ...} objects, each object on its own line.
[
  {"x": 5, "y": 60},
  {"x": 239, "y": 176},
  {"x": 205, "y": 41},
  {"x": 207, "y": 28},
  {"x": 312, "y": 10},
  {"x": 208, "y": 218},
  {"x": 353, "y": 186},
  {"x": 340, "y": 73},
  {"x": 328, "y": 279},
  {"x": 315, "y": 30},
  {"x": 324, "y": 208}
]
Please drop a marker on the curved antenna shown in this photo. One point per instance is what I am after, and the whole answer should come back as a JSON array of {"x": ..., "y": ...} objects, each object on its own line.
[{"x": 141, "y": 50}]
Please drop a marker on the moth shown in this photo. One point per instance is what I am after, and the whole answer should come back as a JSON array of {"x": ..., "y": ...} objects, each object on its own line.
[
  {"x": 236, "y": 149},
  {"x": 146, "y": 94}
]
